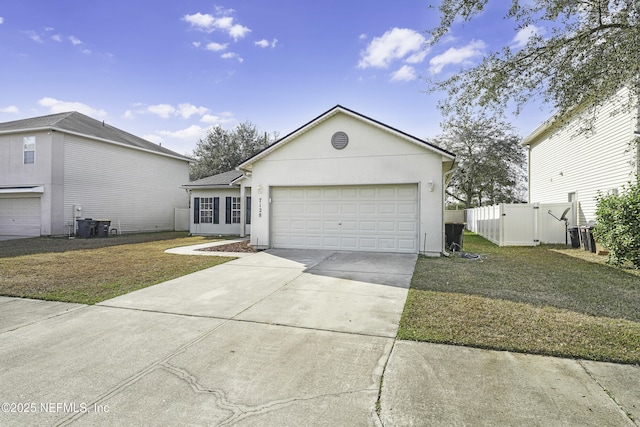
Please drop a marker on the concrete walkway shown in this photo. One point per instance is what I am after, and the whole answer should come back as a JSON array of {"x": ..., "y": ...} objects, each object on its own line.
[{"x": 281, "y": 338}]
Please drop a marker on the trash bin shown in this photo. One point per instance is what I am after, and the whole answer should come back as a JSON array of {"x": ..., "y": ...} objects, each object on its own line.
[
  {"x": 102, "y": 227},
  {"x": 591, "y": 239},
  {"x": 574, "y": 233},
  {"x": 454, "y": 235},
  {"x": 86, "y": 227},
  {"x": 587, "y": 239}
]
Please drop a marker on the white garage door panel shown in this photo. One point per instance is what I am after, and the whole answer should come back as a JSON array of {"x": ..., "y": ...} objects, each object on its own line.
[
  {"x": 20, "y": 216},
  {"x": 381, "y": 218}
]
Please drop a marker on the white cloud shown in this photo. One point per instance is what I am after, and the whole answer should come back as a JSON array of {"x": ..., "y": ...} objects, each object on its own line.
[
  {"x": 395, "y": 44},
  {"x": 187, "y": 110},
  {"x": 192, "y": 133},
  {"x": 162, "y": 110},
  {"x": 129, "y": 114},
  {"x": 223, "y": 118},
  {"x": 522, "y": 37},
  {"x": 57, "y": 38},
  {"x": 238, "y": 31},
  {"x": 10, "y": 109},
  {"x": 232, "y": 55},
  {"x": 33, "y": 36},
  {"x": 58, "y": 106},
  {"x": 216, "y": 46},
  {"x": 199, "y": 20},
  {"x": 74, "y": 40},
  {"x": 362, "y": 36},
  {"x": 196, "y": 44},
  {"x": 209, "y": 23},
  {"x": 1, "y": 20},
  {"x": 404, "y": 74},
  {"x": 264, "y": 43},
  {"x": 453, "y": 55}
]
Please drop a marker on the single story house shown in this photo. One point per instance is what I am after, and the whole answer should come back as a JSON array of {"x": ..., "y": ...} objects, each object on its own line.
[
  {"x": 215, "y": 202},
  {"x": 57, "y": 168},
  {"x": 569, "y": 165},
  {"x": 342, "y": 181}
]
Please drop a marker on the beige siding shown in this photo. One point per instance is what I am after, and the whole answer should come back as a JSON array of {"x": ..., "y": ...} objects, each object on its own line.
[
  {"x": 564, "y": 161},
  {"x": 136, "y": 190}
]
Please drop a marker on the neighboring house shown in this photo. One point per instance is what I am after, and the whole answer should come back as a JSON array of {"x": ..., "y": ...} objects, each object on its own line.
[
  {"x": 566, "y": 165},
  {"x": 344, "y": 181},
  {"x": 56, "y": 168},
  {"x": 215, "y": 202}
]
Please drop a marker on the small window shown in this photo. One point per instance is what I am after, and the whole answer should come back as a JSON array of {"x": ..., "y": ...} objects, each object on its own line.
[
  {"x": 571, "y": 197},
  {"x": 29, "y": 150},
  {"x": 235, "y": 210},
  {"x": 206, "y": 210}
]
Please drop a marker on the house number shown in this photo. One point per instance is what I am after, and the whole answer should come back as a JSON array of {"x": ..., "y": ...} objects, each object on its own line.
[{"x": 260, "y": 207}]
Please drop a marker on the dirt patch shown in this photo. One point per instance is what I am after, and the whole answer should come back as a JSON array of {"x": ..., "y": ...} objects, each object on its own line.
[{"x": 243, "y": 246}]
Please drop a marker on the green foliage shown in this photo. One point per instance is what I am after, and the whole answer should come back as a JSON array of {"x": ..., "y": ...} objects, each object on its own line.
[
  {"x": 222, "y": 150},
  {"x": 580, "y": 53},
  {"x": 618, "y": 225},
  {"x": 491, "y": 163}
]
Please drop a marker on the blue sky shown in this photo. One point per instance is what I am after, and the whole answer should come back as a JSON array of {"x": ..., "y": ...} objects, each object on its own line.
[{"x": 168, "y": 70}]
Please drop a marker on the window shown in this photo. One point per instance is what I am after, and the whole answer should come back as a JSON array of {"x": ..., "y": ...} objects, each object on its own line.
[
  {"x": 235, "y": 210},
  {"x": 571, "y": 197},
  {"x": 29, "y": 150},
  {"x": 206, "y": 210}
]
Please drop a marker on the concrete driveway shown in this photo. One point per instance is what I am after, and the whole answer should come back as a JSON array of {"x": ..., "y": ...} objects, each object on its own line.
[
  {"x": 276, "y": 338},
  {"x": 282, "y": 338}
]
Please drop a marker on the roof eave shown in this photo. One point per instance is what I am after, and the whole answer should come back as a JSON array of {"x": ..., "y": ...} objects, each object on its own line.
[{"x": 246, "y": 166}]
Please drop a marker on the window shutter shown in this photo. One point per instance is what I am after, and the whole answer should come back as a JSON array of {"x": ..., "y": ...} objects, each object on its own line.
[
  {"x": 216, "y": 210},
  {"x": 248, "y": 211},
  {"x": 196, "y": 210},
  {"x": 228, "y": 211}
]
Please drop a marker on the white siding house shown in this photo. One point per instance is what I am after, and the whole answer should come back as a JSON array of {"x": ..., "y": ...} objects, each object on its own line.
[
  {"x": 567, "y": 165},
  {"x": 344, "y": 181},
  {"x": 57, "y": 168}
]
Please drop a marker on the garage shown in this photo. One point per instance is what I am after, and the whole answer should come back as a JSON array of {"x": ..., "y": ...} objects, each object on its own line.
[
  {"x": 376, "y": 218},
  {"x": 20, "y": 216}
]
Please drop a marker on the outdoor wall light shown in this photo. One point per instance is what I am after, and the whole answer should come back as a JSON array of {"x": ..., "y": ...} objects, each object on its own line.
[
  {"x": 431, "y": 185},
  {"x": 259, "y": 188}
]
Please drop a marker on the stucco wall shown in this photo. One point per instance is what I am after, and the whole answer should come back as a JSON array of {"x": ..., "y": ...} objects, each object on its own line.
[{"x": 373, "y": 156}]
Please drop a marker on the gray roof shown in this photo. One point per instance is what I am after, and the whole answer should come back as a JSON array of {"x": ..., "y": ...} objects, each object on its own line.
[
  {"x": 223, "y": 179},
  {"x": 80, "y": 124}
]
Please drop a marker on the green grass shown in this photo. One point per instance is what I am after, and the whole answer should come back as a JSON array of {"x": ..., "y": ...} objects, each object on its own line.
[
  {"x": 92, "y": 270},
  {"x": 526, "y": 299}
]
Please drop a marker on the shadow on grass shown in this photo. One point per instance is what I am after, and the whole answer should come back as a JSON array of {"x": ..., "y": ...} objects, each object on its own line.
[{"x": 39, "y": 245}]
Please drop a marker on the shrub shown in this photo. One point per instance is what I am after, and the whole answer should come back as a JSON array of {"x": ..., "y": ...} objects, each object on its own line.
[{"x": 618, "y": 224}]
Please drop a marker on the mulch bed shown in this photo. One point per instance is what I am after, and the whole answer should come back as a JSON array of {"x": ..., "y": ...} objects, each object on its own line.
[{"x": 243, "y": 246}]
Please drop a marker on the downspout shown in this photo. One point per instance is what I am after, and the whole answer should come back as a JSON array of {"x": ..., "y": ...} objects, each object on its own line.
[{"x": 446, "y": 178}]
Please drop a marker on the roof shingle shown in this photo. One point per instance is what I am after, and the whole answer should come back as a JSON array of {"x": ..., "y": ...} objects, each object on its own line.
[{"x": 79, "y": 123}]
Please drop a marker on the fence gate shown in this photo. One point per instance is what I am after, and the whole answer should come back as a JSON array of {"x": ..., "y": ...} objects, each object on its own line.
[{"x": 522, "y": 224}]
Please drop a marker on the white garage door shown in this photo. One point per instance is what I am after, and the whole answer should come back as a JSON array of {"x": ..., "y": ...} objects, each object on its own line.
[
  {"x": 20, "y": 216},
  {"x": 381, "y": 218}
]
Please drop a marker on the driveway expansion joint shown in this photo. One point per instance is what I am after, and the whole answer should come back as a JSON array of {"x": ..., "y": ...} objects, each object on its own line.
[{"x": 610, "y": 395}]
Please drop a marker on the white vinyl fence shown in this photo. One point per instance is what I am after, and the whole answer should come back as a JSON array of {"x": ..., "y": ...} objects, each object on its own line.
[{"x": 522, "y": 224}]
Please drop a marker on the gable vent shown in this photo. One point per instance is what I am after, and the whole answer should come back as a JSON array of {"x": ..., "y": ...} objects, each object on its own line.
[{"x": 339, "y": 140}]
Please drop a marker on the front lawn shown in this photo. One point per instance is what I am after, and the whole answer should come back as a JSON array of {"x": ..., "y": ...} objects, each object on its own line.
[
  {"x": 525, "y": 299},
  {"x": 92, "y": 270}
]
